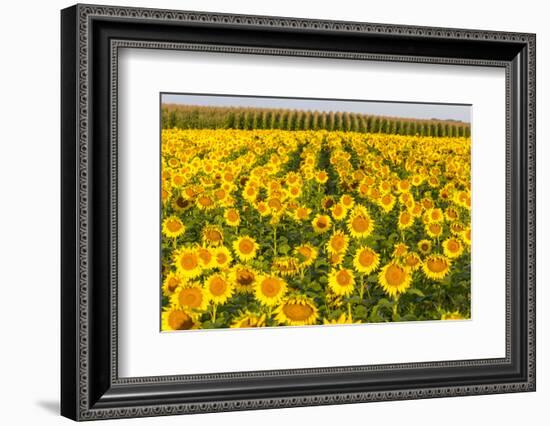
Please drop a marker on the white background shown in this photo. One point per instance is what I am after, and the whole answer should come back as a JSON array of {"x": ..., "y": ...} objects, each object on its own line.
[
  {"x": 141, "y": 344},
  {"x": 29, "y": 225}
]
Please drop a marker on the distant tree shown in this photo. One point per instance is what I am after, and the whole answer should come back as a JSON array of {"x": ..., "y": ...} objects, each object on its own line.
[
  {"x": 375, "y": 125},
  {"x": 323, "y": 121},
  {"x": 337, "y": 121},
  {"x": 330, "y": 121},
  {"x": 315, "y": 120},
  {"x": 392, "y": 126}
]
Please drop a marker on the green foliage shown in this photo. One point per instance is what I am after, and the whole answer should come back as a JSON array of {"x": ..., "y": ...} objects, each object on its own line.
[{"x": 203, "y": 117}]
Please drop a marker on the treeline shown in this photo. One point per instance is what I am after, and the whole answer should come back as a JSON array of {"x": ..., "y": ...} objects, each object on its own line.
[{"x": 200, "y": 117}]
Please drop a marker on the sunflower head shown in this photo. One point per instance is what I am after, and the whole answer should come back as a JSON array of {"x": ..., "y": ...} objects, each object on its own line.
[
  {"x": 244, "y": 278},
  {"x": 171, "y": 282},
  {"x": 232, "y": 217},
  {"x": 248, "y": 319},
  {"x": 212, "y": 235},
  {"x": 412, "y": 261},
  {"x": 456, "y": 315},
  {"x": 405, "y": 219},
  {"x": 222, "y": 257},
  {"x": 434, "y": 229},
  {"x": 187, "y": 262},
  {"x": 205, "y": 202},
  {"x": 218, "y": 288},
  {"x": 270, "y": 289},
  {"x": 338, "y": 211},
  {"x": 341, "y": 281},
  {"x": 286, "y": 266},
  {"x": 321, "y": 223},
  {"x": 453, "y": 248},
  {"x": 366, "y": 260},
  {"x": 342, "y": 319},
  {"x": 306, "y": 255},
  {"x": 176, "y": 318},
  {"x": 297, "y": 310},
  {"x": 394, "y": 279},
  {"x": 360, "y": 224},
  {"x": 191, "y": 298},
  {"x": 337, "y": 243},
  {"x": 173, "y": 227},
  {"x": 436, "y": 266},
  {"x": 424, "y": 246},
  {"x": 245, "y": 247},
  {"x": 400, "y": 250}
]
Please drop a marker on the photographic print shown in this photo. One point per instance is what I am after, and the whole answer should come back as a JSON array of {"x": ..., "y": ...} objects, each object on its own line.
[{"x": 301, "y": 212}]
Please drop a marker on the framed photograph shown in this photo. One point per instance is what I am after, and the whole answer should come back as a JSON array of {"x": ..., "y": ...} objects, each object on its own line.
[{"x": 263, "y": 212}]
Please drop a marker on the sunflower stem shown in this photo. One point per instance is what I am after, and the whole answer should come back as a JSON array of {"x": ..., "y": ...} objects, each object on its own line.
[
  {"x": 275, "y": 241},
  {"x": 394, "y": 307},
  {"x": 349, "y": 311},
  {"x": 214, "y": 312}
]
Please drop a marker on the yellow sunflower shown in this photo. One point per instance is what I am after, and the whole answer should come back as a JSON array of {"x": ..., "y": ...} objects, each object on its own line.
[
  {"x": 306, "y": 254},
  {"x": 466, "y": 236},
  {"x": 360, "y": 224},
  {"x": 452, "y": 248},
  {"x": 335, "y": 259},
  {"x": 232, "y": 217},
  {"x": 366, "y": 260},
  {"x": 269, "y": 289},
  {"x": 222, "y": 257},
  {"x": 286, "y": 266},
  {"x": 187, "y": 262},
  {"x": 436, "y": 266},
  {"x": 212, "y": 235},
  {"x": 400, "y": 249},
  {"x": 301, "y": 213},
  {"x": 244, "y": 278},
  {"x": 297, "y": 310},
  {"x": 387, "y": 201},
  {"x": 405, "y": 220},
  {"x": 321, "y": 176},
  {"x": 412, "y": 261},
  {"x": 218, "y": 288},
  {"x": 190, "y": 297},
  {"x": 175, "y": 318},
  {"x": 342, "y": 319},
  {"x": 452, "y": 316},
  {"x": 171, "y": 283},
  {"x": 347, "y": 201},
  {"x": 341, "y": 281},
  {"x": 434, "y": 215},
  {"x": 434, "y": 229},
  {"x": 173, "y": 227},
  {"x": 424, "y": 246},
  {"x": 205, "y": 202},
  {"x": 339, "y": 212},
  {"x": 338, "y": 243},
  {"x": 394, "y": 279},
  {"x": 451, "y": 214},
  {"x": 206, "y": 257},
  {"x": 245, "y": 247},
  {"x": 263, "y": 208},
  {"x": 294, "y": 191},
  {"x": 248, "y": 319},
  {"x": 321, "y": 223}
]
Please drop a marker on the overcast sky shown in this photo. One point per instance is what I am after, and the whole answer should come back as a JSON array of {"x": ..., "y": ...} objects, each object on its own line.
[{"x": 459, "y": 112}]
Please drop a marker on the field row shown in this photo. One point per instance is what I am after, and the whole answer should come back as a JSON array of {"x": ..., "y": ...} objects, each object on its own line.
[{"x": 272, "y": 227}]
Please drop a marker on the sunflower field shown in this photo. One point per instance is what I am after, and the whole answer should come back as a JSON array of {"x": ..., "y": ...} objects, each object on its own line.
[{"x": 270, "y": 227}]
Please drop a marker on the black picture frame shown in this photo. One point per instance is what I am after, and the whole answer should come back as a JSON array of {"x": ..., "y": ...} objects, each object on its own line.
[{"x": 90, "y": 386}]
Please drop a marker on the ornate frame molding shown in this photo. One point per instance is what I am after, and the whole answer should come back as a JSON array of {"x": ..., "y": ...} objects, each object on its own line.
[{"x": 80, "y": 19}]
